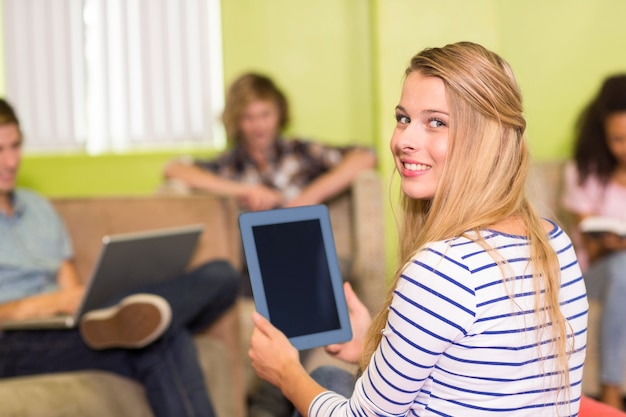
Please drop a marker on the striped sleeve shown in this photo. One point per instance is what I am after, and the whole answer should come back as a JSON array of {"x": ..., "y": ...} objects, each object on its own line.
[
  {"x": 462, "y": 337},
  {"x": 433, "y": 305}
]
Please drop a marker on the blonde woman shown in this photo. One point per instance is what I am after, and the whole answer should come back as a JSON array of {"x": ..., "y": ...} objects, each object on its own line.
[{"x": 488, "y": 314}]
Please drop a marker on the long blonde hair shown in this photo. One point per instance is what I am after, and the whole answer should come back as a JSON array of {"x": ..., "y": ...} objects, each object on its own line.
[{"x": 483, "y": 181}]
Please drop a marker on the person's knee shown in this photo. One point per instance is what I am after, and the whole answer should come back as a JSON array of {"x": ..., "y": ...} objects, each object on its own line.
[
  {"x": 221, "y": 274},
  {"x": 323, "y": 373},
  {"x": 334, "y": 379},
  {"x": 617, "y": 261},
  {"x": 618, "y": 272}
]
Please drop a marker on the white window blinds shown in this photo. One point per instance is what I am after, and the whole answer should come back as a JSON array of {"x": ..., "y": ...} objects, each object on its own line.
[{"x": 114, "y": 75}]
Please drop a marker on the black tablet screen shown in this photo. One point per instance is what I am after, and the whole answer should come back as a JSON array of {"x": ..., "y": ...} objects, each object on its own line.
[{"x": 296, "y": 277}]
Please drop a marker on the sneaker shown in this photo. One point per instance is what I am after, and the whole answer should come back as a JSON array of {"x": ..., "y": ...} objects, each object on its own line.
[{"x": 133, "y": 323}]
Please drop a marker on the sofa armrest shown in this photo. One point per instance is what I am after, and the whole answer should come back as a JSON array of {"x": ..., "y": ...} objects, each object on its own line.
[
  {"x": 89, "y": 219},
  {"x": 368, "y": 267}
]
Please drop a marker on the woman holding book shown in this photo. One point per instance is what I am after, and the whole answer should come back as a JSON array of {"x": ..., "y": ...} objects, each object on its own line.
[{"x": 596, "y": 188}]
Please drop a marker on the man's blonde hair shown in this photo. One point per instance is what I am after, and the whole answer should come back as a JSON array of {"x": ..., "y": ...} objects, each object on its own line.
[{"x": 246, "y": 89}]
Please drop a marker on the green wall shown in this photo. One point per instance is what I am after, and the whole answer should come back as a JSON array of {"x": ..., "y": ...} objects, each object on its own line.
[
  {"x": 317, "y": 51},
  {"x": 341, "y": 64},
  {"x": 84, "y": 175},
  {"x": 561, "y": 50}
]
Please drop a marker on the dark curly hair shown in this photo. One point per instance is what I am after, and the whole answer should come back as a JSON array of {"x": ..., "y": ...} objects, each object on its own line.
[{"x": 592, "y": 153}]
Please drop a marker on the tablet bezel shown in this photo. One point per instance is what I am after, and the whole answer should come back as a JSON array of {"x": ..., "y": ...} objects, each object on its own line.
[{"x": 248, "y": 220}]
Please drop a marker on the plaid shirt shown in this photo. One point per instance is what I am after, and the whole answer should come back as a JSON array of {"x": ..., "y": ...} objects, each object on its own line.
[{"x": 292, "y": 165}]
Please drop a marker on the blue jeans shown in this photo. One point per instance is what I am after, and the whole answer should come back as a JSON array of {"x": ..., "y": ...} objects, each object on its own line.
[
  {"x": 606, "y": 281},
  {"x": 333, "y": 379},
  {"x": 168, "y": 368}
]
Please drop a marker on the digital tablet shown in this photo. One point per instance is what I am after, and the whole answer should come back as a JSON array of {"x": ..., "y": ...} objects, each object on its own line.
[{"x": 294, "y": 274}]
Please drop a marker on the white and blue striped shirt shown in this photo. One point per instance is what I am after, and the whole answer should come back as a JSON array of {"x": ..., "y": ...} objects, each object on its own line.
[{"x": 460, "y": 342}]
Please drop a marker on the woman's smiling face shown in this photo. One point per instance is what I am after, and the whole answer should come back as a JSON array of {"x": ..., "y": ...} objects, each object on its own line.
[{"x": 419, "y": 143}]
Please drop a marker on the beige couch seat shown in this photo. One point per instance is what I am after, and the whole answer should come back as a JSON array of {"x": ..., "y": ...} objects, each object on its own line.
[
  {"x": 87, "y": 221},
  {"x": 357, "y": 221}
]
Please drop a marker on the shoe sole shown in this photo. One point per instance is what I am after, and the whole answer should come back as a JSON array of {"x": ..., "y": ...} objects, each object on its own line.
[{"x": 135, "y": 322}]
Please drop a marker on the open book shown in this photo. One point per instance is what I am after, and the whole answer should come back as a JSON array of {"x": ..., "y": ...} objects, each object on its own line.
[{"x": 597, "y": 225}]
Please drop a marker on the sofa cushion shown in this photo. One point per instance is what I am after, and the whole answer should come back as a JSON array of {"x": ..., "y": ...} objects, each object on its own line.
[
  {"x": 592, "y": 408},
  {"x": 84, "y": 393},
  {"x": 89, "y": 219}
]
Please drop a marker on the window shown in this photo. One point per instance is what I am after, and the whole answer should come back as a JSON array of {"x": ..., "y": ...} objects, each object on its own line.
[{"x": 114, "y": 75}]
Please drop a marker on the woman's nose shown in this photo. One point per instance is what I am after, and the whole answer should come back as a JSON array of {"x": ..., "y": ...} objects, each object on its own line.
[{"x": 409, "y": 140}]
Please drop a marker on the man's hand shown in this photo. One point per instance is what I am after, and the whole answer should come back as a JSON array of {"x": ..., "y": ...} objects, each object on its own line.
[
  {"x": 44, "y": 305},
  {"x": 360, "y": 320},
  {"x": 260, "y": 197}
]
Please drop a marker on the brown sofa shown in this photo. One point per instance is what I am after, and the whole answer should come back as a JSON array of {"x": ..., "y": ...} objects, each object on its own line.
[
  {"x": 357, "y": 224},
  {"x": 357, "y": 221}
]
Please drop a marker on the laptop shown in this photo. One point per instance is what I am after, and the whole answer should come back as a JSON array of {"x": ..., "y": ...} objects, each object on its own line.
[{"x": 126, "y": 262}]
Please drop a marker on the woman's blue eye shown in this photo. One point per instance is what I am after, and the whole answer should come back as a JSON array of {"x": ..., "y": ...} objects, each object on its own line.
[
  {"x": 436, "y": 123},
  {"x": 402, "y": 119}
]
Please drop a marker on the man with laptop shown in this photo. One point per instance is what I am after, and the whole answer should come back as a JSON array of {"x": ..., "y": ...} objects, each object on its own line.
[{"x": 131, "y": 337}]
